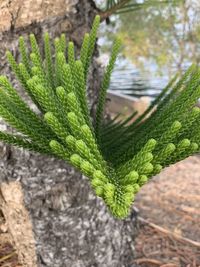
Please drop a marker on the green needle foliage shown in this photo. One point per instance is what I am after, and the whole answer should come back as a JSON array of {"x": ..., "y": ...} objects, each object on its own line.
[{"x": 117, "y": 156}]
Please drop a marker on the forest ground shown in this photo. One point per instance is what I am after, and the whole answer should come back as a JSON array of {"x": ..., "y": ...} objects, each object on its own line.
[{"x": 169, "y": 217}]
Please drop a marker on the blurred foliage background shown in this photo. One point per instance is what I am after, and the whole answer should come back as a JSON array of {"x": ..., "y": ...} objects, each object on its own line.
[
  {"x": 168, "y": 35},
  {"x": 158, "y": 37}
]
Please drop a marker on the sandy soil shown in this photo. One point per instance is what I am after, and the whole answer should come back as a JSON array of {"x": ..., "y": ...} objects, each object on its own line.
[{"x": 171, "y": 201}]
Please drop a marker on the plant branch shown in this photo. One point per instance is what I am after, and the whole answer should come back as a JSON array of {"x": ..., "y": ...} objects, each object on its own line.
[{"x": 105, "y": 14}]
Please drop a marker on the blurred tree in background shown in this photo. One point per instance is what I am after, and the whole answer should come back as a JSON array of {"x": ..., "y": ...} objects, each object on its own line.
[{"x": 167, "y": 35}]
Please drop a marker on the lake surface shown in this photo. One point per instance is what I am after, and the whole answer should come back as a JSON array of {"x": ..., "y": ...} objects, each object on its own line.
[
  {"x": 130, "y": 80},
  {"x": 127, "y": 78},
  {"x": 180, "y": 46}
]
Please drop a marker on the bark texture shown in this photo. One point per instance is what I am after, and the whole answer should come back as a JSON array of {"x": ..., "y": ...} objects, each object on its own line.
[
  {"x": 71, "y": 226},
  {"x": 18, "y": 222}
]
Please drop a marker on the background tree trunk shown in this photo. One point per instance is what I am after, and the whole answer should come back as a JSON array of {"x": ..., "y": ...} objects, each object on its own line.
[{"x": 52, "y": 214}]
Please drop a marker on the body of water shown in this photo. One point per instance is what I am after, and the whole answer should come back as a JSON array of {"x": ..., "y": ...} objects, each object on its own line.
[
  {"x": 130, "y": 80},
  {"x": 171, "y": 47}
]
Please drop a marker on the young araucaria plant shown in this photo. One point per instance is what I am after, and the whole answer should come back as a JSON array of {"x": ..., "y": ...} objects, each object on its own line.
[{"x": 117, "y": 156}]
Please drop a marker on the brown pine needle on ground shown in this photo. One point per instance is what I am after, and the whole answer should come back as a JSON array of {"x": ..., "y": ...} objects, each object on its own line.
[{"x": 169, "y": 219}]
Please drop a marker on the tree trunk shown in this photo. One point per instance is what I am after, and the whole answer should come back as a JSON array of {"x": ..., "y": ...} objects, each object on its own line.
[{"x": 53, "y": 216}]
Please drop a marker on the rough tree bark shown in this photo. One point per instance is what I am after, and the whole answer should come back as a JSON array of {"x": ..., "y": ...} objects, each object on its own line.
[{"x": 53, "y": 216}]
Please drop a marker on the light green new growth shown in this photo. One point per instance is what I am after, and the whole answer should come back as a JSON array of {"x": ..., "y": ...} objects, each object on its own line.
[{"x": 117, "y": 156}]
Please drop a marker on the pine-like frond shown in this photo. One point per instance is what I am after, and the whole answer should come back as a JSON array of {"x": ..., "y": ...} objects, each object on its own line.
[{"x": 117, "y": 156}]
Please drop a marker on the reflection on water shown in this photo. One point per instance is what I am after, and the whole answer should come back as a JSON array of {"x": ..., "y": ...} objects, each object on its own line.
[
  {"x": 131, "y": 80},
  {"x": 128, "y": 79},
  {"x": 158, "y": 42}
]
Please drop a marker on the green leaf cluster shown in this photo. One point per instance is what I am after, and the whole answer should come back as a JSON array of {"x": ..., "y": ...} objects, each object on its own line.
[{"x": 117, "y": 156}]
